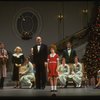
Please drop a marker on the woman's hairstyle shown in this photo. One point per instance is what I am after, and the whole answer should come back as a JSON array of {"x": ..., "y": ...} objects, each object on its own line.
[
  {"x": 77, "y": 58},
  {"x": 25, "y": 59},
  {"x": 18, "y": 48},
  {"x": 53, "y": 46},
  {"x": 62, "y": 59}
]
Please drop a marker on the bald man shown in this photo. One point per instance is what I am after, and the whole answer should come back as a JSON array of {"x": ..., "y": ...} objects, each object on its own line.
[{"x": 40, "y": 59}]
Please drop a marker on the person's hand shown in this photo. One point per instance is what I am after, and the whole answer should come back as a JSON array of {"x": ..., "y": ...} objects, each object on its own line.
[
  {"x": 59, "y": 73},
  {"x": 45, "y": 64},
  {"x": 72, "y": 73},
  {"x": 48, "y": 78},
  {"x": 19, "y": 65},
  {"x": 57, "y": 70},
  {"x": 20, "y": 73},
  {"x": 34, "y": 65},
  {"x": 16, "y": 64}
]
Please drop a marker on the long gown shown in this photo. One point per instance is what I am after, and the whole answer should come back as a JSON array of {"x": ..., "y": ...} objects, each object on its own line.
[{"x": 16, "y": 59}]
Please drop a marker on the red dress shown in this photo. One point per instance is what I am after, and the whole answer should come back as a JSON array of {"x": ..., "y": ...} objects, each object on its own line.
[{"x": 52, "y": 65}]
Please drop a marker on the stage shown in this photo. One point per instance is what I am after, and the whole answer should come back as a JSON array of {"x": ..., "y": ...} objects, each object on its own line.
[{"x": 70, "y": 91}]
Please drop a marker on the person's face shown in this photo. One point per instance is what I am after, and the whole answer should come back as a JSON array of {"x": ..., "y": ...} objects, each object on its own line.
[
  {"x": 17, "y": 50},
  {"x": 52, "y": 50},
  {"x": 68, "y": 45},
  {"x": 1, "y": 46},
  {"x": 63, "y": 61},
  {"x": 26, "y": 61},
  {"x": 76, "y": 59},
  {"x": 38, "y": 40}
]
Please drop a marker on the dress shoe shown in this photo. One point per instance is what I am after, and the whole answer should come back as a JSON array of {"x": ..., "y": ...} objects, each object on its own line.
[
  {"x": 53, "y": 94},
  {"x": 42, "y": 87},
  {"x": 1, "y": 87},
  {"x": 37, "y": 88},
  {"x": 96, "y": 87},
  {"x": 65, "y": 86},
  {"x": 55, "y": 90},
  {"x": 52, "y": 91}
]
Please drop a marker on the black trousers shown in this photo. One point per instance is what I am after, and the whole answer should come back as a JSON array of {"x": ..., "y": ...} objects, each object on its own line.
[
  {"x": 40, "y": 78},
  {"x": 2, "y": 82}
]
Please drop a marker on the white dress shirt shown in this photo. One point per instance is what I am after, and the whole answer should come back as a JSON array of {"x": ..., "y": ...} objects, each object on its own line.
[
  {"x": 38, "y": 48},
  {"x": 69, "y": 52}
]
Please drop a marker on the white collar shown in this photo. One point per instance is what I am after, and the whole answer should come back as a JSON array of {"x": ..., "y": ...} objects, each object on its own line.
[
  {"x": 17, "y": 55},
  {"x": 78, "y": 64},
  {"x": 52, "y": 55},
  {"x": 69, "y": 49}
]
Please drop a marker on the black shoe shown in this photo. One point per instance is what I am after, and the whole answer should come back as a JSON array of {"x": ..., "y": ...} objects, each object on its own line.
[
  {"x": 53, "y": 95},
  {"x": 37, "y": 88},
  {"x": 55, "y": 90},
  {"x": 43, "y": 88},
  {"x": 65, "y": 86},
  {"x": 96, "y": 87},
  {"x": 1, "y": 87},
  {"x": 52, "y": 91}
]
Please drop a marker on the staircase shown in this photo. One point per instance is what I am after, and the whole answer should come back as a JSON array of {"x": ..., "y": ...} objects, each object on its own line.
[{"x": 78, "y": 39}]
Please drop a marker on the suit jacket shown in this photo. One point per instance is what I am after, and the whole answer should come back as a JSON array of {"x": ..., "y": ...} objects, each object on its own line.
[
  {"x": 69, "y": 59},
  {"x": 41, "y": 56}
]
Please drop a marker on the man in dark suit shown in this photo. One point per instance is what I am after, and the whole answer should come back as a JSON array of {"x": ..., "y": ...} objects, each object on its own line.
[
  {"x": 40, "y": 58},
  {"x": 69, "y": 54}
]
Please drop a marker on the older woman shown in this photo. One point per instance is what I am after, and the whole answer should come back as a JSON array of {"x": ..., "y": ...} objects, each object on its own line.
[
  {"x": 63, "y": 72},
  {"x": 77, "y": 72},
  {"x": 17, "y": 60}
]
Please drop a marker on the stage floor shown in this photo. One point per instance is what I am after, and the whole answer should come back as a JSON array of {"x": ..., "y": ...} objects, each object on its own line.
[{"x": 70, "y": 91}]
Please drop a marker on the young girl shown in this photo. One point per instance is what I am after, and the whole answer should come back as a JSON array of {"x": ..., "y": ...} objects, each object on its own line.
[{"x": 53, "y": 62}]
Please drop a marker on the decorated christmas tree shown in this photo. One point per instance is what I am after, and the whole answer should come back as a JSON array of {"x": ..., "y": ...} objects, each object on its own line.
[{"x": 92, "y": 53}]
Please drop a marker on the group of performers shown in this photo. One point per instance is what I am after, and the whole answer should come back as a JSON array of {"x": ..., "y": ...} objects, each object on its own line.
[{"x": 41, "y": 66}]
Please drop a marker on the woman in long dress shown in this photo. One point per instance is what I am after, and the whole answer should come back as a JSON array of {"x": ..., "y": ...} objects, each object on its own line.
[
  {"x": 17, "y": 60},
  {"x": 77, "y": 72},
  {"x": 63, "y": 72}
]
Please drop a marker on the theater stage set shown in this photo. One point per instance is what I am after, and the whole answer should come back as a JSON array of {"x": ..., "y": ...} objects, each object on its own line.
[{"x": 69, "y": 91}]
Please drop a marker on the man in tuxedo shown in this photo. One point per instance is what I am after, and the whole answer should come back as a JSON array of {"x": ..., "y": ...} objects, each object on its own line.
[
  {"x": 69, "y": 54},
  {"x": 40, "y": 61}
]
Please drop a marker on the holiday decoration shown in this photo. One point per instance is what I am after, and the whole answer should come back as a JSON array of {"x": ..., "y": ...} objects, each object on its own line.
[{"x": 92, "y": 53}]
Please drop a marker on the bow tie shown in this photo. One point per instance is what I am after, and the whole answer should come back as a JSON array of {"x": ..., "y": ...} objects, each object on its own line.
[
  {"x": 68, "y": 49},
  {"x": 38, "y": 44}
]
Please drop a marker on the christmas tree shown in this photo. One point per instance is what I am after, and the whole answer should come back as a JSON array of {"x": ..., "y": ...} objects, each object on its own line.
[{"x": 92, "y": 53}]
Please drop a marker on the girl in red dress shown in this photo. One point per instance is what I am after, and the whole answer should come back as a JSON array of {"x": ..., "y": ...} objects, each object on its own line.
[{"x": 53, "y": 61}]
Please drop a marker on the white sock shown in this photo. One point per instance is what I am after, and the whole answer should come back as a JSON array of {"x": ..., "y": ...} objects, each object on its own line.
[
  {"x": 51, "y": 87},
  {"x": 55, "y": 87}
]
